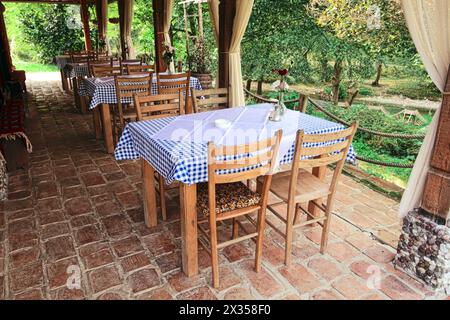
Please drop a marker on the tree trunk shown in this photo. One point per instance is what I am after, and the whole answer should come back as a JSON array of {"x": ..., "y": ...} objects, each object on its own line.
[
  {"x": 353, "y": 97},
  {"x": 376, "y": 83},
  {"x": 259, "y": 90},
  {"x": 336, "y": 81},
  {"x": 249, "y": 85}
]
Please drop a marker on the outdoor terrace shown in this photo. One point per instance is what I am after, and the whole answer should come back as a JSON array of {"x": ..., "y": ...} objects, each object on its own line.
[{"x": 76, "y": 205}]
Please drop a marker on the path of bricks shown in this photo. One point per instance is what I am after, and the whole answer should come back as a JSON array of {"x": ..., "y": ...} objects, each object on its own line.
[{"x": 76, "y": 206}]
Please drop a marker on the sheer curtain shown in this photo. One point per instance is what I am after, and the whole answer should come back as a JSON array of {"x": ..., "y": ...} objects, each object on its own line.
[
  {"x": 429, "y": 25},
  {"x": 126, "y": 22},
  {"x": 243, "y": 13},
  {"x": 102, "y": 20},
  {"x": 213, "y": 6}
]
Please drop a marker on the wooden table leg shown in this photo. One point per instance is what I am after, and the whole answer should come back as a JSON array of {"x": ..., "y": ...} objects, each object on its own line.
[
  {"x": 64, "y": 83},
  {"x": 320, "y": 173},
  {"x": 107, "y": 129},
  {"x": 149, "y": 194},
  {"x": 97, "y": 123},
  {"x": 188, "y": 208},
  {"x": 76, "y": 96}
]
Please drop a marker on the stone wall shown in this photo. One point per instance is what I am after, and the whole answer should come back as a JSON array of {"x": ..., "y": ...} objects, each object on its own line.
[{"x": 424, "y": 250}]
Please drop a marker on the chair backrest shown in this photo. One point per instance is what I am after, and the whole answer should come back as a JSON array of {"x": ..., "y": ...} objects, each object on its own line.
[
  {"x": 211, "y": 99},
  {"x": 127, "y": 87},
  {"x": 318, "y": 150},
  {"x": 105, "y": 70},
  {"x": 137, "y": 68},
  {"x": 240, "y": 163},
  {"x": 245, "y": 161},
  {"x": 173, "y": 83},
  {"x": 158, "y": 106},
  {"x": 81, "y": 57}
]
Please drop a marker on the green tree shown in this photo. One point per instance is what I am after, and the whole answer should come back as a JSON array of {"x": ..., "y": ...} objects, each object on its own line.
[
  {"x": 378, "y": 26},
  {"x": 46, "y": 28}
]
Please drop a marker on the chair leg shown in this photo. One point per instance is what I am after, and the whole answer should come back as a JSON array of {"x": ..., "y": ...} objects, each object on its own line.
[
  {"x": 235, "y": 229},
  {"x": 297, "y": 215},
  {"x": 214, "y": 252},
  {"x": 326, "y": 227},
  {"x": 289, "y": 233},
  {"x": 162, "y": 197},
  {"x": 259, "y": 241}
]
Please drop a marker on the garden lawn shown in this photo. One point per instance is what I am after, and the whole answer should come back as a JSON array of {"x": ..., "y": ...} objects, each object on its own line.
[{"x": 35, "y": 67}]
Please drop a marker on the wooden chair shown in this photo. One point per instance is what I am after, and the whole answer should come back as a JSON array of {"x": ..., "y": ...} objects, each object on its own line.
[
  {"x": 155, "y": 107},
  {"x": 81, "y": 57},
  {"x": 174, "y": 83},
  {"x": 134, "y": 69},
  {"x": 226, "y": 197},
  {"x": 126, "y": 88},
  {"x": 300, "y": 186},
  {"x": 207, "y": 100},
  {"x": 105, "y": 70}
]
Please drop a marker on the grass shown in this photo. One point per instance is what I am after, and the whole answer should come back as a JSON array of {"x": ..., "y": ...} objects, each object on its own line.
[{"x": 35, "y": 67}]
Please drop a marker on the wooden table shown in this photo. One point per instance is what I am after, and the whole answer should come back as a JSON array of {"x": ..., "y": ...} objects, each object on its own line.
[{"x": 161, "y": 155}]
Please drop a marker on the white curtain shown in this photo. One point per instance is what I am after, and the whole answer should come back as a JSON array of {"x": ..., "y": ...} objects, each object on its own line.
[
  {"x": 213, "y": 6},
  {"x": 127, "y": 21},
  {"x": 102, "y": 20},
  {"x": 243, "y": 13},
  {"x": 167, "y": 17},
  {"x": 429, "y": 24}
]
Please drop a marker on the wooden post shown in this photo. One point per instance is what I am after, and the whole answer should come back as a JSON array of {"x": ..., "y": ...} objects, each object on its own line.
[
  {"x": 158, "y": 22},
  {"x": 123, "y": 44},
  {"x": 227, "y": 11},
  {"x": 5, "y": 54},
  {"x": 436, "y": 196},
  {"x": 102, "y": 16},
  {"x": 85, "y": 19}
]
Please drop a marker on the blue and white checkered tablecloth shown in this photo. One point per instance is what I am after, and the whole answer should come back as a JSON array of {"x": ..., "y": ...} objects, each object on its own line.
[
  {"x": 187, "y": 161},
  {"x": 73, "y": 70},
  {"x": 62, "y": 61},
  {"x": 105, "y": 91}
]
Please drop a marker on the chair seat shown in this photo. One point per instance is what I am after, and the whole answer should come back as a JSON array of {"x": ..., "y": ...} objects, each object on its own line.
[
  {"x": 229, "y": 196},
  {"x": 309, "y": 187}
]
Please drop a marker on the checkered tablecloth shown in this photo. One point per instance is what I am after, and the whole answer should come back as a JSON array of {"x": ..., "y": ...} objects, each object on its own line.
[
  {"x": 73, "y": 70},
  {"x": 62, "y": 61},
  {"x": 105, "y": 91},
  {"x": 187, "y": 161}
]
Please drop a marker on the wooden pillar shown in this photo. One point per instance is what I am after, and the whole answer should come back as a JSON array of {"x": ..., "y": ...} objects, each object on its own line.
[
  {"x": 5, "y": 53},
  {"x": 123, "y": 45},
  {"x": 158, "y": 24},
  {"x": 227, "y": 11},
  {"x": 436, "y": 196},
  {"x": 85, "y": 19},
  {"x": 102, "y": 19}
]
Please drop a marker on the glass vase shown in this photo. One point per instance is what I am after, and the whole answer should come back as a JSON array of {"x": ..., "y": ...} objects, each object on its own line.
[{"x": 281, "y": 103}]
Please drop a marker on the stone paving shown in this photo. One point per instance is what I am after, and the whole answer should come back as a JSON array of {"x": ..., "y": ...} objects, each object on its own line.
[{"x": 78, "y": 211}]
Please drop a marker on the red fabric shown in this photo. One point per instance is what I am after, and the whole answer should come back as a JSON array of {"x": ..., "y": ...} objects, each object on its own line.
[{"x": 12, "y": 116}]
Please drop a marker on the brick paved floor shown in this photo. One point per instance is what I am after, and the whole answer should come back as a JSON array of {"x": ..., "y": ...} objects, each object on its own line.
[{"x": 76, "y": 206}]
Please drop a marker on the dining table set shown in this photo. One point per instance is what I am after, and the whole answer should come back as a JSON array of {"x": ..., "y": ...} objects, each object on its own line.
[{"x": 216, "y": 148}]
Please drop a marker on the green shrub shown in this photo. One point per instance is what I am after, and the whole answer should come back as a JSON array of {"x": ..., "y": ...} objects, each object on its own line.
[
  {"x": 377, "y": 121},
  {"x": 366, "y": 92}
]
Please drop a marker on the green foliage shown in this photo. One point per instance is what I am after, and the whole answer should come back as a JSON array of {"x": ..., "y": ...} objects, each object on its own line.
[
  {"x": 415, "y": 89},
  {"x": 377, "y": 121},
  {"x": 343, "y": 91},
  {"x": 45, "y": 28},
  {"x": 366, "y": 92}
]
